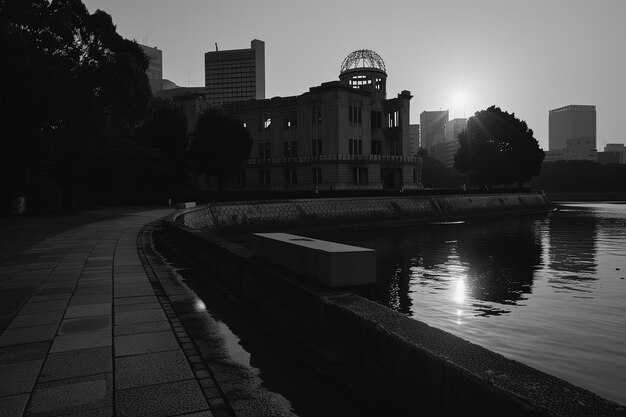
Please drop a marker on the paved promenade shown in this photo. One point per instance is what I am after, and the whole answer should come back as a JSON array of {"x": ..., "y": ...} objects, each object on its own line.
[{"x": 88, "y": 325}]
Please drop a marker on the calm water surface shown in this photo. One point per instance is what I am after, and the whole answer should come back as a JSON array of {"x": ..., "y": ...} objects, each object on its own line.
[{"x": 547, "y": 290}]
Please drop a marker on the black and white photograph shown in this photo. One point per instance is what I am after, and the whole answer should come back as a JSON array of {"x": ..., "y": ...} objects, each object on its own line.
[{"x": 237, "y": 208}]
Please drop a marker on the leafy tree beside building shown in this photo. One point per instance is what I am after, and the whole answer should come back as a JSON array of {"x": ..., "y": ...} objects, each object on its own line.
[
  {"x": 165, "y": 130},
  {"x": 219, "y": 146},
  {"x": 71, "y": 92},
  {"x": 498, "y": 148}
]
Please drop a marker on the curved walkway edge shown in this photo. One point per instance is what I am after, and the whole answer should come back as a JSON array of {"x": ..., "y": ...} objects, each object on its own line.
[{"x": 87, "y": 326}]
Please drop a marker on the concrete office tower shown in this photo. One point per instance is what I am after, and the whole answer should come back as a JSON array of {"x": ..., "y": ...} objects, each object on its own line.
[
  {"x": 452, "y": 130},
  {"x": 432, "y": 131},
  {"x": 614, "y": 153},
  {"x": 235, "y": 75},
  {"x": 573, "y": 129},
  {"x": 155, "y": 67}
]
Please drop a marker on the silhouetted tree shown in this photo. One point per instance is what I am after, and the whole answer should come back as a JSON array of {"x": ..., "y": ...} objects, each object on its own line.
[
  {"x": 498, "y": 148},
  {"x": 219, "y": 146},
  {"x": 435, "y": 174},
  {"x": 68, "y": 84},
  {"x": 165, "y": 129}
]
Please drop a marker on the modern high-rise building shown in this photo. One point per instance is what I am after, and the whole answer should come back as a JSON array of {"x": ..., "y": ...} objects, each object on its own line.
[
  {"x": 451, "y": 132},
  {"x": 432, "y": 129},
  {"x": 440, "y": 136},
  {"x": 155, "y": 67},
  {"x": 573, "y": 129},
  {"x": 235, "y": 75}
]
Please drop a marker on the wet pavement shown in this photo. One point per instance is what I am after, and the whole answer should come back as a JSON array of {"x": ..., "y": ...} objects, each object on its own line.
[{"x": 90, "y": 321}]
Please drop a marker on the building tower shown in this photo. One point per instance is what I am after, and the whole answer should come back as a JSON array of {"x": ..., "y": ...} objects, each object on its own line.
[
  {"x": 572, "y": 130},
  {"x": 155, "y": 67},
  {"x": 235, "y": 75},
  {"x": 452, "y": 131},
  {"x": 432, "y": 132}
]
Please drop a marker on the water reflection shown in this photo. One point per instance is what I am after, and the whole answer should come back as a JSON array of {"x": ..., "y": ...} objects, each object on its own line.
[
  {"x": 459, "y": 292},
  {"x": 545, "y": 290},
  {"x": 573, "y": 243},
  {"x": 479, "y": 263},
  {"x": 501, "y": 258}
]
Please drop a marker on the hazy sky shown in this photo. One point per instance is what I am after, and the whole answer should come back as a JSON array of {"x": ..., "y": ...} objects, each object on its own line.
[{"x": 525, "y": 56}]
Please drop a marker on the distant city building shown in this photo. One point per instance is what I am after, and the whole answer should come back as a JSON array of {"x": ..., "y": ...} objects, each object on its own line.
[
  {"x": 581, "y": 149},
  {"x": 573, "y": 129},
  {"x": 614, "y": 153},
  {"x": 235, "y": 75},
  {"x": 451, "y": 132},
  {"x": 440, "y": 136},
  {"x": 555, "y": 155},
  {"x": 155, "y": 67},
  {"x": 340, "y": 135},
  {"x": 432, "y": 131}
]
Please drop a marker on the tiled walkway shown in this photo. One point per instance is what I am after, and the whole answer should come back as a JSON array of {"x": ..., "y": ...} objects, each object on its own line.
[{"x": 87, "y": 329}]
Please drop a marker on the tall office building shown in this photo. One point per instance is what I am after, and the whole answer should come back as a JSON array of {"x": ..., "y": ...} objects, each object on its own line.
[
  {"x": 573, "y": 127},
  {"x": 155, "y": 67},
  {"x": 432, "y": 126},
  {"x": 452, "y": 131},
  {"x": 432, "y": 132},
  {"x": 235, "y": 75}
]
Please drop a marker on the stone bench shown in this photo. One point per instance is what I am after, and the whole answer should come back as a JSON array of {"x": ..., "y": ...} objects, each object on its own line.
[
  {"x": 188, "y": 204},
  {"x": 332, "y": 264}
]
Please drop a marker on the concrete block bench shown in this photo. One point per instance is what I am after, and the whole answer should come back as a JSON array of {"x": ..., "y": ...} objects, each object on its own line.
[
  {"x": 332, "y": 264},
  {"x": 188, "y": 204}
]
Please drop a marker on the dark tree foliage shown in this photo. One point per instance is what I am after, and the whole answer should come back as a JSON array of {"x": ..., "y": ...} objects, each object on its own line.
[
  {"x": 220, "y": 145},
  {"x": 165, "y": 130},
  {"x": 498, "y": 148},
  {"x": 436, "y": 175},
  {"x": 70, "y": 88}
]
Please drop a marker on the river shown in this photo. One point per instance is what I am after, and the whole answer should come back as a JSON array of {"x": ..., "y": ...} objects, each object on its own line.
[{"x": 547, "y": 290}]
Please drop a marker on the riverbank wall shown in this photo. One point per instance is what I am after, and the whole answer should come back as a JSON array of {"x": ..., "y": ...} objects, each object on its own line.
[
  {"x": 242, "y": 217},
  {"x": 429, "y": 371}
]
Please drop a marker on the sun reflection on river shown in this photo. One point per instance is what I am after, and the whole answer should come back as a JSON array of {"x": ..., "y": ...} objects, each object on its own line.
[
  {"x": 459, "y": 297},
  {"x": 459, "y": 291},
  {"x": 546, "y": 290}
]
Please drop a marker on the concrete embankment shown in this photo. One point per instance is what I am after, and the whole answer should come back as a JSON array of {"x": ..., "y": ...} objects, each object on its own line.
[
  {"x": 430, "y": 371},
  {"x": 237, "y": 217}
]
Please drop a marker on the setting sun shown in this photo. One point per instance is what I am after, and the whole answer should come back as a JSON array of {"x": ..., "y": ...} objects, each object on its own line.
[
  {"x": 459, "y": 102},
  {"x": 460, "y": 98}
]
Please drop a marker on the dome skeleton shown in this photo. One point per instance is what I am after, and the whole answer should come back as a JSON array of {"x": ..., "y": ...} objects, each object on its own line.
[{"x": 363, "y": 58}]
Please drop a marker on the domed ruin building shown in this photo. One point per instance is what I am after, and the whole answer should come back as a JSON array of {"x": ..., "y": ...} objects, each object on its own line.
[{"x": 342, "y": 134}]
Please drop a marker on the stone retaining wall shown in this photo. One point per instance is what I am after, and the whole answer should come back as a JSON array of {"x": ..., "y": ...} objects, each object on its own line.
[
  {"x": 431, "y": 372},
  {"x": 229, "y": 217}
]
